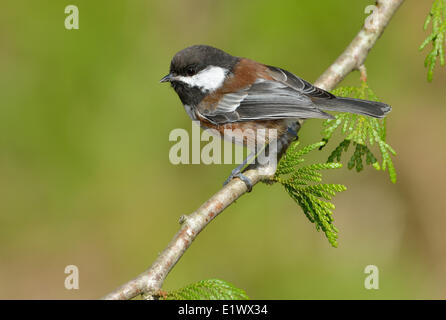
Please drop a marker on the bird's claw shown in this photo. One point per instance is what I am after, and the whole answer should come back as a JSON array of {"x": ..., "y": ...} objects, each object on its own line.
[{"x": 241, "y": 176}]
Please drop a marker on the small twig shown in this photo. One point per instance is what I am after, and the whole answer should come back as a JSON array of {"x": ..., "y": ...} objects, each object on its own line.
[
  {"x": 363, "y": 70},
  {"x": 150, "y": 281}
]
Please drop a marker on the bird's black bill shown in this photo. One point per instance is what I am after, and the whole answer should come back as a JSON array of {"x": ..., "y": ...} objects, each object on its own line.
[{"x": 166, "y": 78}]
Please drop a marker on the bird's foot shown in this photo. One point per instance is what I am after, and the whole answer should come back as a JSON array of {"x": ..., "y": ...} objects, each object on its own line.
[{"x": 237, "y": 174}]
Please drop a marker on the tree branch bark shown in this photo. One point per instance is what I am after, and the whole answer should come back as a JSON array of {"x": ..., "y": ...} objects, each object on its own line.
[{"x": 150, "y": 281}]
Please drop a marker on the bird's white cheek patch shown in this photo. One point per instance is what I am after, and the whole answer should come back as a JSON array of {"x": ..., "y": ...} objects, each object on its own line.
[{"x": 209, "y": 79}]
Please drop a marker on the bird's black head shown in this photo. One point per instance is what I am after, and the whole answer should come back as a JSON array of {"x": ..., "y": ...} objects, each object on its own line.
[
  {"x": 198, "y": 70},
  {"x": 193, "y": 59}
]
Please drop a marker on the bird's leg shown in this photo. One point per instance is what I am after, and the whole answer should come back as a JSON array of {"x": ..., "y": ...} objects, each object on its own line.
[
  {"x": 292, "y": 131},
  {"x": 237, "y": 172}
]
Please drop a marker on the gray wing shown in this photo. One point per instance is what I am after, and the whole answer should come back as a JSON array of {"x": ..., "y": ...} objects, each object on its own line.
[
  {"x": 287, "y": 96},
  {"x": 329, "y": 102},
  {"x": 299, "y": 84}
]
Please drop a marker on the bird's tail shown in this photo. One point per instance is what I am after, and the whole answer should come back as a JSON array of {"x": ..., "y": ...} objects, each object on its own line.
[{"x": 364, "y": 107}]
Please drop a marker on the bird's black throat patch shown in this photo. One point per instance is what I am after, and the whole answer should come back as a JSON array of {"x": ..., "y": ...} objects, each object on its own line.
[{"x": 190, "y": 96}]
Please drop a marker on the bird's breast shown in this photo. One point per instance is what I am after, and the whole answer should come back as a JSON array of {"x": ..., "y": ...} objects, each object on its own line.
[{"x": 190, "y": 110}]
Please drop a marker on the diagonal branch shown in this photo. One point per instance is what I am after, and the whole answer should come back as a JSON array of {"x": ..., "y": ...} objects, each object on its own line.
[
  {"x": 151, "y": 280},
  {"x": 356, "y": 53}
]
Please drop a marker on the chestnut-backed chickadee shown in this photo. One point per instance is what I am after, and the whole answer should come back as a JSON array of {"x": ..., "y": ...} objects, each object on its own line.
[{"x": 224, "y": 92}]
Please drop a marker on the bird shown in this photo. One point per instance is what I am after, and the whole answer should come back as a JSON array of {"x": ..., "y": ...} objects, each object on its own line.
[{"x": 235, "y": 94}]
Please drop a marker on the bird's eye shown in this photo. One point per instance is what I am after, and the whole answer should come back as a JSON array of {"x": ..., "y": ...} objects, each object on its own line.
[{"x": 190, "y": 71}]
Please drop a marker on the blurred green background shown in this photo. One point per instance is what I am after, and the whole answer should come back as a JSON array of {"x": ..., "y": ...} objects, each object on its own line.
[{"x": 85, "y": 177}]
